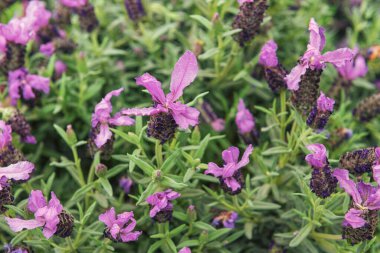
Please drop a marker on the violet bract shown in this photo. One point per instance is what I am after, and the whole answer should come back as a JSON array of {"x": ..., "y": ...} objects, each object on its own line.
[{"x": 161, "y": 206}]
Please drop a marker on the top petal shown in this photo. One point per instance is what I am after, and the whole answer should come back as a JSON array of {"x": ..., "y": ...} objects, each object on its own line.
[
  {"x": 245, "y": 158},
  {"x": 268, "y": 57},
  {"x": 184, "y": 73},
  {"x": 109, "y": 217},
  {"x": 348, "y": 185},
  {"x": 244, "y": 119},
  {"x": 294, "y": 77},
  {"x": 317, "y": 39},
  {"x": 318, "y": 159},
  {"x": 153, "y": 86},
  {"x": 231, "y": 155},
  {"x": 5, "y": 134},
  {"x": 36, "y": 200}
]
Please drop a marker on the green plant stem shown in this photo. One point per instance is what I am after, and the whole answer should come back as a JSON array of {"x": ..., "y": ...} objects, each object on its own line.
[
  {"x": 326, "y": 236},
  {"x": 78, "y": 166},
  {"x": 283, "y": 115},
  {"x": 158, "y": 150}
]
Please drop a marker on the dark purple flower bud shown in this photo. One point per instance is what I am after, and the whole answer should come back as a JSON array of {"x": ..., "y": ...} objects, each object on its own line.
[
  {"x": 249, "y": 19},
  {"x": 87, "y": 18},
  {"x": 66, "y": 224},
  {"x": 126, "y": 184},
  {"x": 14, "y": 57},
  {"x": 358, "y": 161},
  {"x": 20, "y": 125},
  {"x": 366, "y": 232},
  {"x": 8, "y": 248},
  {"x": 6, "y": 197},
  {"x": 322, "y": 182},
  {"x": 368, "y": 108},
  {"x": 162, "y": 127},
  {"x": 64, "y": 45},
  {"x": 225, "y": 219},
  {"x": 320, "y": 114},
  {"x": 62, "y": 15},
  {"x": 135, "y": 9}
]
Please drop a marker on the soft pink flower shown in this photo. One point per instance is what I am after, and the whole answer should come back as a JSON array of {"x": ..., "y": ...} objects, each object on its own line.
[
  {"x": 218, "y": 125},
  {"x": 185, "y": 250},
  {"x": 60, "y": 68},
  {"x": 18, "y": 30},
  {"x": 352, "y": 70},
  {"x": 47, "y": 49},
  {"x": 161, "y": 201},
  {"x": 37, "y": 14},
  {"x": 3, "y": 47},
  {"x": 325, "y": 104},
  {"x": 314, "y": 59},
  {"x": 268, "y": 57},
  {"x": 74, "y": 3},
  {"x": 318, "y": 159},
  {"x": 184, "y": 73},
  {"x": 244, "y": 119},
  {"x": 17, "y": 172}
]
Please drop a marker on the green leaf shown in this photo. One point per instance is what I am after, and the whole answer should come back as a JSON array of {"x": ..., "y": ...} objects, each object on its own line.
[
  {"x": 172, "y": 183},
  {"x": 171, "y": 245},
  {"x": 16, "y": 209},
  {"x": 209, "y": 53},
  {"x": 154, "y": 247},
  {"x": 192, "y": 103},
  {"x": 106, "y": 185},
  {"x": 178, "y": 230},
  {"x": 79, "y": 195},
  {"x": 218, "y": 233},
  {"x": 202, "y": 147},
  {"x": 62, "y": 133},
  {"x": 19, "y": 237},
  {"x": 276, "y": 151},
  {"x": 261, "y": 205},
  {"x": 148, "y": 191},
  {"x": 170, "y": 161},
  {"x": 204, "y": 226},
  {"x": 188, "y": 243},
  {"x": 302, "y": 234},
  {"x": 88, "y": 213},
  {"x": 130, "y": 137},
  {"x": 205, "y": 22},
  {"x": 146, "y": 167}
]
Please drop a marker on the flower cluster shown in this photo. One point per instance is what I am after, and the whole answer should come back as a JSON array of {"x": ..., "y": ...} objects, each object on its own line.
[
  {"x": 161, "y": 206},
  {"x": 320, "y": 114}
]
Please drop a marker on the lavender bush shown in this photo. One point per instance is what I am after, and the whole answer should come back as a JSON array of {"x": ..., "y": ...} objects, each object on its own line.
[{"x": 189, "y": 126}]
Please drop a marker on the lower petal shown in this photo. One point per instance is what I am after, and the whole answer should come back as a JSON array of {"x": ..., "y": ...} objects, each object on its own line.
[
  {"x": 294, "y": 77},
  {"x": 133, "y": 236},
  {"x": 17, "y": 225},
  {"x": 232, "y": 183},
  {"x": 353, "y": 218},
  {"x": 103, "y": 136},
  {"x": 184, "y": 115}
]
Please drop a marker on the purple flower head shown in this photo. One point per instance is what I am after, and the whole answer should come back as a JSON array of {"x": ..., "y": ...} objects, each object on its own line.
[
  {"x": 225, "y": 219},
  {"x": 120, "y": 227},
  {"x": 5, "y": 135},
  {"x": 184, "y": 73},
  {"x": 365, "y": 197},
  {"x": 37, "y": 14},
  {"x": 21, "y": 81},
  {"x": 268, "y": 57},
  {"x": 185, "y": 250},
  {"x": 244, "y": 119},
  {"x": 230, "y": 167},
  {"x": 161, "y": 201},
  {"x": 18, "y": 30},
  {"x": 47, "y": 49},
  {"x": 352, "y": 70},
  {"x": 218, "y": 125},
  {"x": 126, "y": 183},
  {"x": 74, "y": 3},
  {"x": 244, "y": 1},
  {"x": 325, "y": 104},
  {"x": 318, "y": 159},
  {"x": 102, "y": 117},
  {"x": 314, "y": 59},
  {"x": 46, "y": 215},
  {"x": 18, "y": 171},
  {"x": 60, "y": 68}
]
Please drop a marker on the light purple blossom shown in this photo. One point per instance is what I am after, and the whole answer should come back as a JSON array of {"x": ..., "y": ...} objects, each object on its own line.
[
  {"x": 126, "y": 184},
  {"x": 184, "y": 73},
  {"x": 60, "y": 68},
  {"x": 268, "y": 57},
  {"x": 185, "y": 250},
  {"x": 102, "y": 117},
  {"x": 37, "y": 14},
  {"x": 120, "y": 226},
  {"x": 18, "y": 30},
  {"x": 325, "y": 104},
  {"x": 161, "y": 201},
  {"x": 45, "y": 214},
  {"x": 227, "y": 219},
  {"x": 21, "y": 81},
  {"x": 74, "y": 3},
  {"x": 318, "y": 159},
  {"x": 352, "y": 70},
  {"x": 47, "y": 49},
  {"x": 244, "y": 119},
  {"x": 18, "y": 171},
  {"x": 5, "y": 135},
  {"x": 218, "y": 125},
  {"x": 314, "y": 59},
  {"x": 364, "y": 196},
  {"x": 231, "y": 165}
]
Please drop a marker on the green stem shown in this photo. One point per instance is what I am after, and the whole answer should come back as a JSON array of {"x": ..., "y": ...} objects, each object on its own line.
[
  {"x": 70, "y": 243},
  {"x": 326, "y": 236},
  {"x": 78, "y": 166},
  {"x": 158, "y": 150},
  {"x": 283, "y": 116}
]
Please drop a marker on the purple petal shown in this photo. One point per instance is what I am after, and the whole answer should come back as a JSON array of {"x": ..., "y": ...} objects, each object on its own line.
[
  {"x": 294, "y": 77},
  {"x": 36, "y": 200},
  {"x": 373, "y": 201},
  {"x": 47, "y": 49},
  {"x": 317, "y": 38},
  {"x": 318, "y": 159},
  {"x": 141, "y": 111},
  {"x": 132, "y": 236},
  {"x": 214, "y": 170},
  {"x": 108, "y": 217},
  {"x": 245, "y": 158},
  {"x": 376, "y": 173},
  {"x": 186, "y": 249},
  {"x": 103, "y": 136},
  {"x": 218, "y": 125},
  {"x": 348, "y": 185},
  {"x": 353, "y": 218},
  {"x": 16, "y": 225},
  {"x": 231, "y": 155},
  {"x": 352, "y": 70},
  {"x": 120, "y": 120},
  {"x": 153, "y": 86},
  {"x": 39, "y": 83},
  {"x": 229, "y": 170},
  {"x": 171, "y": 195},
  {"x": 184, "y": 73},
  {"x": 74, "y": 3},
  {"x": 244, "y": 119},
  {"x": 338, "y": 57},
  {"x": 268, "y": 57},
  {"x": 55, "y": 203},
  {"x": 232, "y": 183},
  {"x": 325, "y": 104},
  {"x": 17, "y": 171},
  {"x": 184, "y": 115}
]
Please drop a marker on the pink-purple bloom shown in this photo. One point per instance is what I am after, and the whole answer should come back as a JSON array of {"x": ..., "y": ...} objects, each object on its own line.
[
  {"x": 126, "y": 184},
  {"x": 5, "y": 135},
  {"x": 60, "y": 68},
  {"x": 218, "y": 125},
  {"x": 268, "y": 57},
  {"x": 20, "y": 81},
  {"x": 47, "y": 49},
  {"x": 120, "y": 227},
  {"x": 37, "y": 14},
  {"x": 325, "y": 104},
  {"x": 18, "y": 30},
  {"x": 244, "y": 119},
  {"x": 18, "y": 171},
  {"x": 74, "y": 3},
  {"x": 185, "y": 250},
  {"x": 184, "y": 73},
  {"x": 225, "y": 219},
  {"x": 318, "y": 158},
  {"x": 352, "y": 70},
  {"x": 228, "y": 173},
  {"x": 161, "y": 201},
  {"x": 45, "y": 214},
  {"x": 102, "y": 118},
  {"x": 314, "y": 59},
  {"x": 365, "y": 197}
]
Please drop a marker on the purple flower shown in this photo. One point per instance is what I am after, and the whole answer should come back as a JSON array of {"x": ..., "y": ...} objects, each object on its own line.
[
  {"x": 325, "y": 104},
  {"x": 244, "y": 119},
  {"x": 161, "y": 201},
  {"x": 225, "y": 219},
  {"x": 229, "y": 173},
  {"x": 46, "y": 215},
  {"x": 126, "y": 183},
  {"x": 218, "y": 125},
  {"x": 268, "y": 57},
  {"x": 21, "y": 81},
  {"x": 365, "y": 197},
  {"x": 185, "y": 250},
  {"x": 102, "y": 117},
  {"x": 47, "y": 49},
  {"x": 352, "y": 70},
  {"x": 5, "y": 135},
  {"x": 318, "y": 159},
  {"x": 74, "y": 3},
  {"x": 184, "y": 73},
  {"x": 18, "y": 171},
  {"x": 37, "y": 14},
  {"x": 18, "y": 30},
  {"x": 119, "y": 228},
  {"x": 59, "y": 68},
  {"x": 313, "y": 58}
]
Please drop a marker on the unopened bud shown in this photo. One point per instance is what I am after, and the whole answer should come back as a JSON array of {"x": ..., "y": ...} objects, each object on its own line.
[
  {"x": 191, "y": 213},
  {"x": 100, "y": 170},
  {"x": 71, "y": 136}
]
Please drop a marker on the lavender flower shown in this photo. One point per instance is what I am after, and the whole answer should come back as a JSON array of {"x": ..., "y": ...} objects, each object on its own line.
[
  {"x": 119, "y": 228},
  {"x": 8, "y": 154},
  {"x": 185, "y": 250},
  {"x": 59, "y": 69},
  {"x": 161, "y": 206},
  {"x": 74, "y": 3},
  {"x": 21, "y": 81},
  {"x": 322, "y": 182},
  {"x": 268, "y": 57},
  {"x": 8, "y": 248},
  {"x": 168, "y": 113},
  {"x": 47, "y": 49},
  {"x": 135, "y": 9},
  {"x": 303, "y": 80},
  {"x": 126, "y": 183},
  {"x": 50, "y": 216},
  {"x": 368, "y": 108},
  {"x": 321, "y": 113},
  {"x": 6, "y": 197},
  {"x": 359, "y": 161},
  {"x": 102, "y": 120},
  {"x": 87, "y": 18},
  {"x": 360, "y": 221},
  {"x": 37, "y": 14},
  {"x": 230, "y": 176},
  {"x": 19, "y": 124},
  {"x": 225, "y": 219},
  {"x": 246, "y": 124}
]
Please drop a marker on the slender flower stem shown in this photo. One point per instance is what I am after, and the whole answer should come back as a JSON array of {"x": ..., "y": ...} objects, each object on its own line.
[
  {"x": 158, "y": 150},
  {"x": 283, "y": 111}
]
